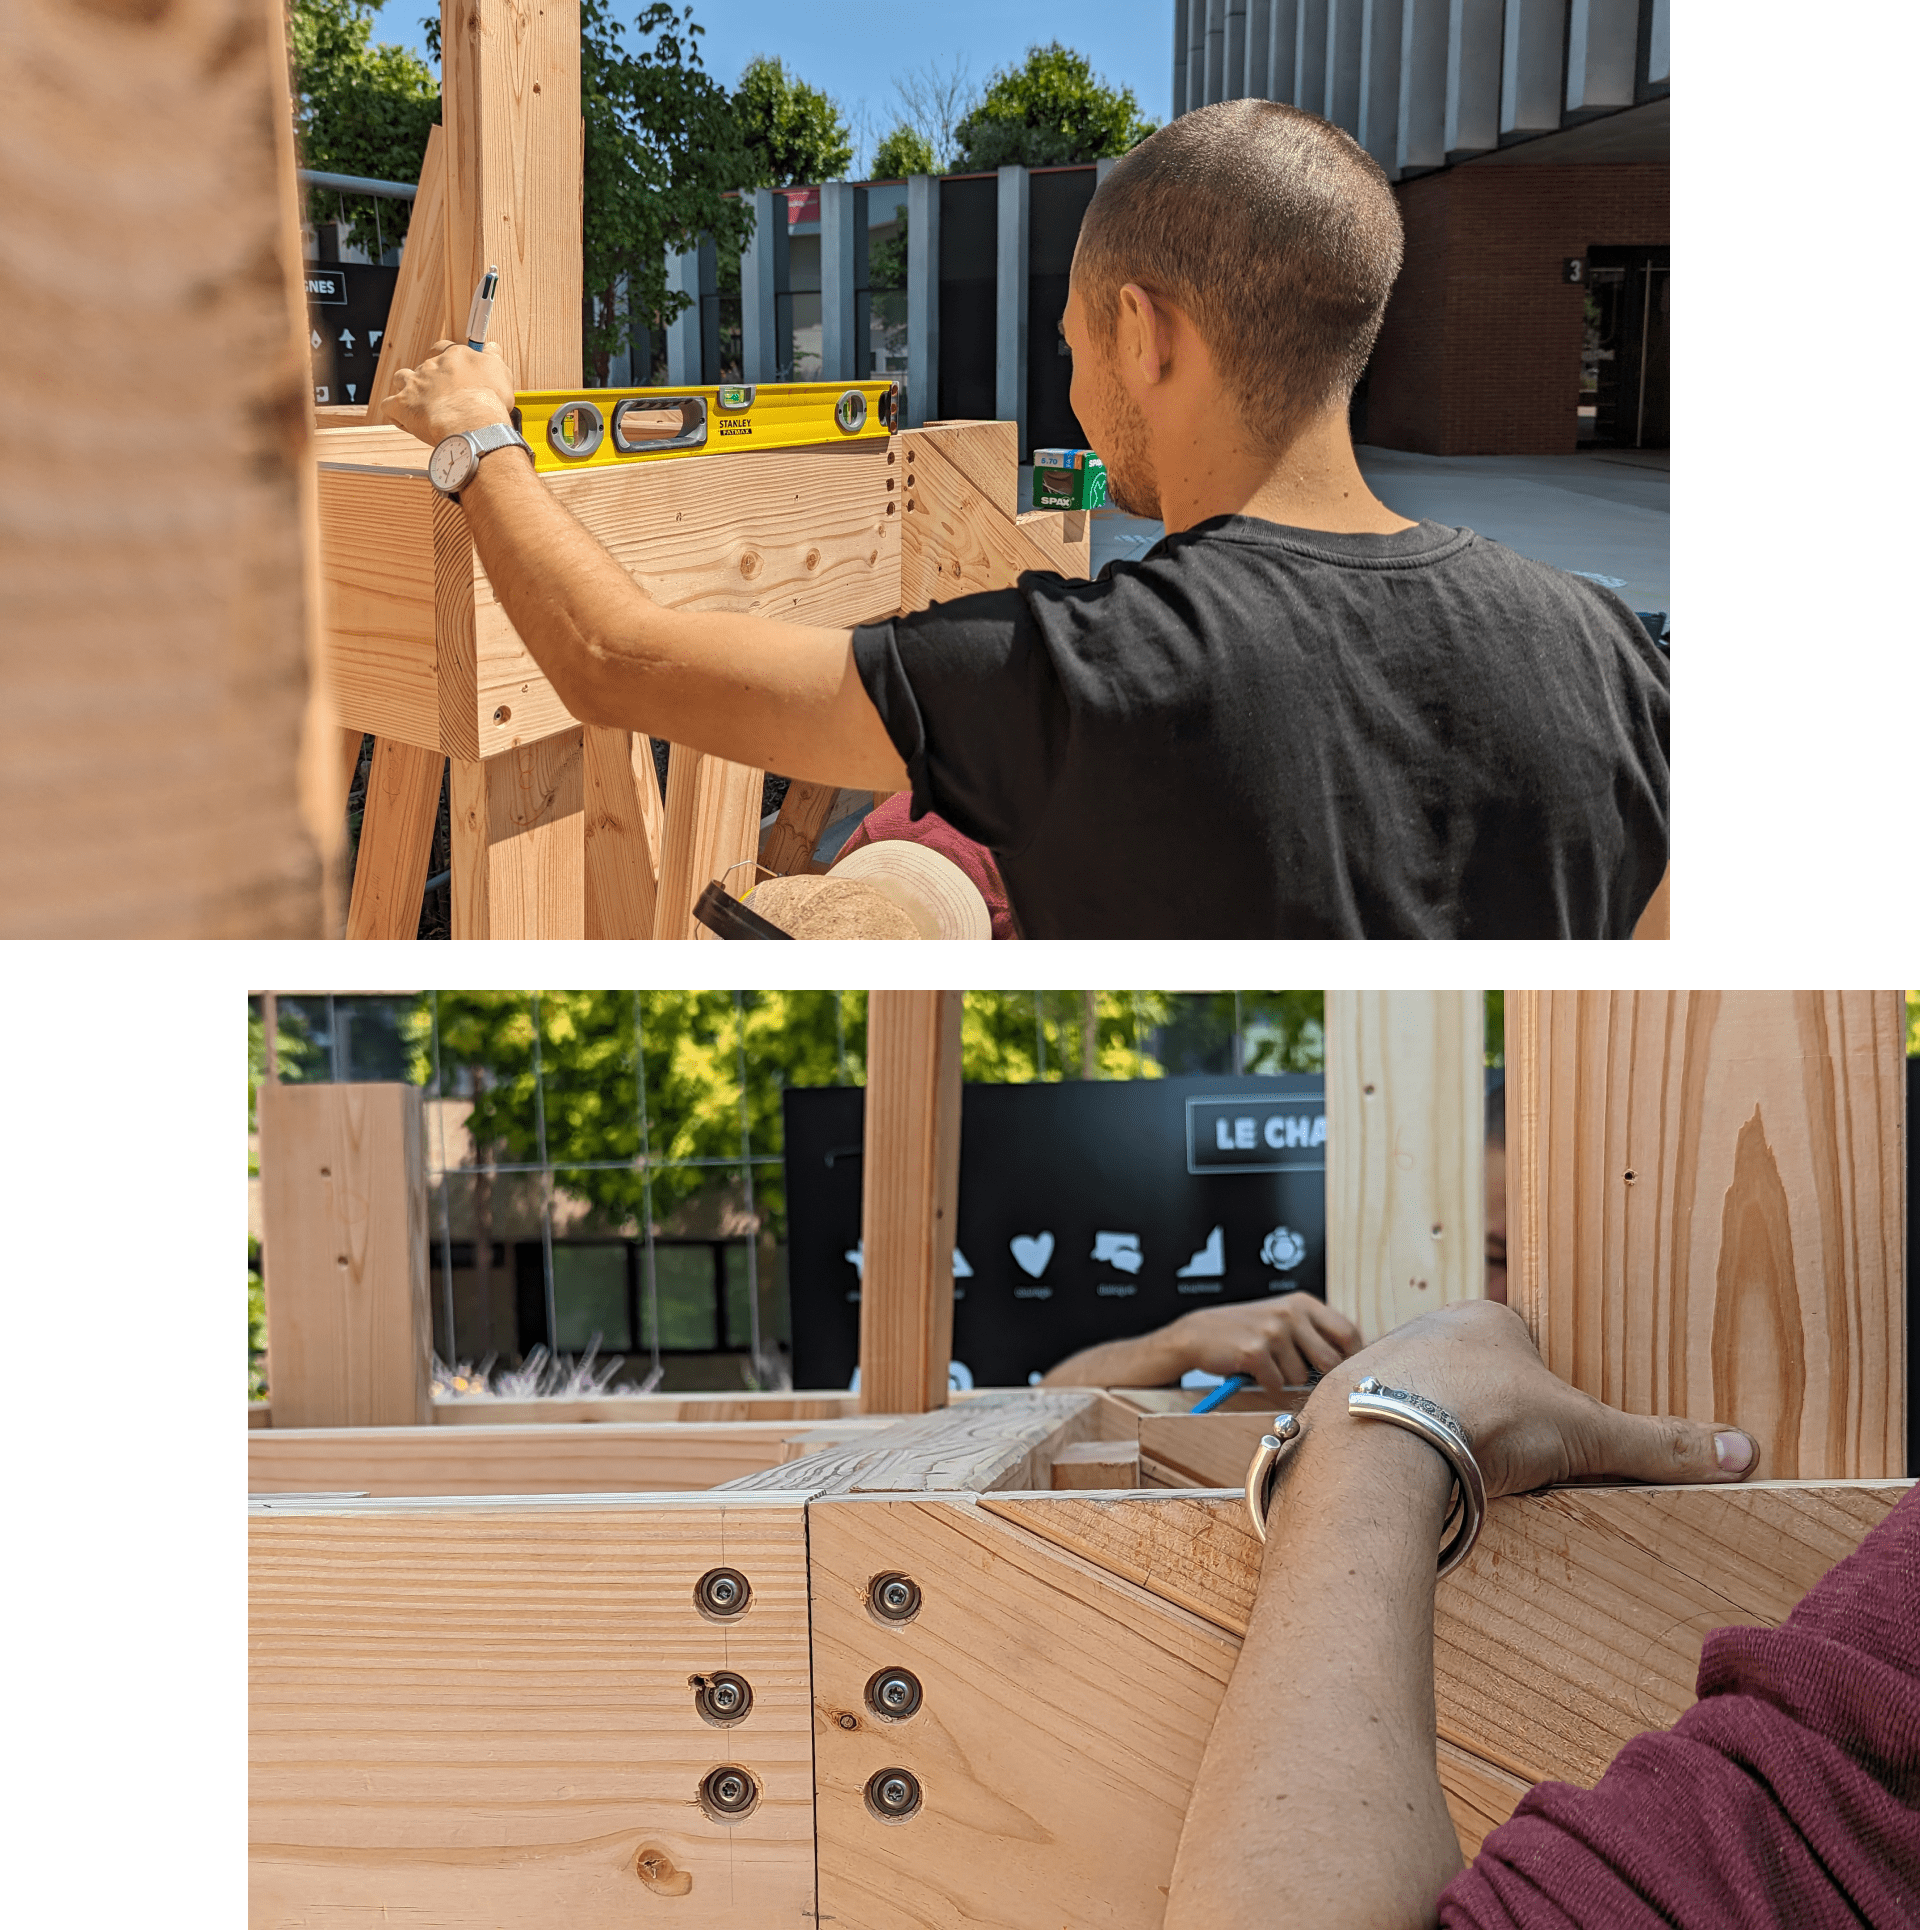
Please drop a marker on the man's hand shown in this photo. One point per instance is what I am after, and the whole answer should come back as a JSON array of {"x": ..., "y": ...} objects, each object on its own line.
[
  {"x": 1280, "y": 1343},
  {"x": 454, "y": 389}
]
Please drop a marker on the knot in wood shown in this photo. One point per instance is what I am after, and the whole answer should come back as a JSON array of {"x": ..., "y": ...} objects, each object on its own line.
[{"x": 750, "y": 564}]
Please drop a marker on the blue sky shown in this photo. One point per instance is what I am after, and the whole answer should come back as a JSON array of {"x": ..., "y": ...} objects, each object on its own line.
[{"x": 851, "y": 50}]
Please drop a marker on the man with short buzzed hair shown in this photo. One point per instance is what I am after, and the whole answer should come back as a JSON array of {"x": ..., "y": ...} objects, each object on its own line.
[{"x": 1299, "y": 715}]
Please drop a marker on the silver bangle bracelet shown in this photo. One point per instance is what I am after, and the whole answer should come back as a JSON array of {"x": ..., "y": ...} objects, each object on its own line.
[{"x": 1466, "y": 1506}]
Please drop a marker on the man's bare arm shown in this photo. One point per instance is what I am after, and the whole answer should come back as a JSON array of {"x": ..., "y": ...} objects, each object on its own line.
[{"x": 778, "y": 696}]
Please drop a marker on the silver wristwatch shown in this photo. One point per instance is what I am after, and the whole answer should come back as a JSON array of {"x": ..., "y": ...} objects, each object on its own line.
[{"x": 456, "y": 461}]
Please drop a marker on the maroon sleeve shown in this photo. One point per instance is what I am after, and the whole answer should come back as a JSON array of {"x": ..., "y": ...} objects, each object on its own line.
[{"x": 1788, "y": 1794}]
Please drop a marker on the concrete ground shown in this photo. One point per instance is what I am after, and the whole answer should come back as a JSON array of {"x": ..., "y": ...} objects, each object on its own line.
[{"x": 1601, "y": 514}]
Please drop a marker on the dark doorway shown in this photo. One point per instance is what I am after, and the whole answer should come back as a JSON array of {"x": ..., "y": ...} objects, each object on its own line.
[{"x": 1625, "y": 386}]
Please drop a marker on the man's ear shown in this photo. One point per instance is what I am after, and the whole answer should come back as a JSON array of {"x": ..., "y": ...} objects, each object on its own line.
[{"x": 1141, "y": 334}]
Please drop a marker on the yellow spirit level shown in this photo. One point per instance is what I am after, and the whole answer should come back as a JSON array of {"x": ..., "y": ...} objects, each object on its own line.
[{"x": 575, "y": 429}]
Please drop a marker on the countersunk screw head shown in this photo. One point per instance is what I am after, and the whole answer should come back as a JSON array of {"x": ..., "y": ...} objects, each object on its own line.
[
  {"x": 722, "y": 1593},
  {"x": 893, "y": 1794},
  {"x": 728, "y": 1792},
  {"x": 894, "y": 1693},
  {"x": 894, "y": 1598},
  {"x": 726, "y": 1698}
]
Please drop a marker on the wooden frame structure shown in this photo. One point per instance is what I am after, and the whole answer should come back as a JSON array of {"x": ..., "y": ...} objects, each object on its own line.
[
  {"x": 559, "y": 829},
  {"x": 482, "y": 1691}
]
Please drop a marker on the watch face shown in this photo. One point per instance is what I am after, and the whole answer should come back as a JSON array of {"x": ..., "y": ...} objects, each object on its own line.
[{"x": 451, "y": 465}]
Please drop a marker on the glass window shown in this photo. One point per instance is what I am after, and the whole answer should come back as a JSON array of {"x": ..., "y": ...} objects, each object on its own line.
[
  {"x": 739, "y": 1301},
  {"x": 590, "y": 1299},
  {"x": 687, "y": 1312}
]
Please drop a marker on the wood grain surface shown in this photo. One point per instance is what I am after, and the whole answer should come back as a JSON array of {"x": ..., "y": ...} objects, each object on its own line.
[
  {"x": 623, "y": 833},
  {"x": 536, "y": 1458},
  {"x": 788, "y": 847},
  {"x": 607, "y": 1409},
  {"x": 1406, "y": 1179},
  {"x": 1575, "y": 1624},
  {"x": 480, "y": 1716},
  {"x": 1002, "y": 1439},
  {"x": 344, "y": 1243},
  {"x": 1097, "y": 1464},
  {"x": 1707, "y": 1211},
  {"x": 519, "y": 843},
  {"x": 510, "y": 105},
  {"x": 396, "y": 838},
  {"x": 421, "y": 312},
  {"x": 709, "y": 833},
  {"x": 909, "y": 1199},
  {"x": 1205, "y": 1450}
]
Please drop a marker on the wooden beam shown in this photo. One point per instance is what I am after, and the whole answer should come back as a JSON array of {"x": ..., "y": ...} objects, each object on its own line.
[
  {"x": 1575, "y": 1624},
  {"x": 483, "y": 1714},
  {"x": 1006, "y": 1438},
  {"x": 519, "y": 843},
  {"x": 421, "y": 312},
  {"x": 1205, "y": 1450},
  {"x": 161, "y": 772},
  {"x": 623, "y": 833},
  {"x": 960, "y": 532},
  {"x": 804, "y": 810},
  {"x": 344, "y": 1246},
  {"x": 712, "y": 831},
  {"x": 1706, "y": 1211},
  {"x": 1097, "y": 1464},
  {"x": 396, "y": 838},
  {"x": 551, "y": 1458},
  {"x": 510, "y": 103},
  {"x": 1406, "y": 1164},
  {"x": 910, "y": 1184}
]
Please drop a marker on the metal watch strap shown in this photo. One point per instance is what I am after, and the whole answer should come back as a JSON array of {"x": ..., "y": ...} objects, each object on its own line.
[{"x": 483, "y": 442}]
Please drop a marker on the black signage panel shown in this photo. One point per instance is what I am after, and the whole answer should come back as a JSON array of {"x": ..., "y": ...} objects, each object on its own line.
[
  {"x": 347, "y": 305},
  {"x": 1089, "y": 1211}
]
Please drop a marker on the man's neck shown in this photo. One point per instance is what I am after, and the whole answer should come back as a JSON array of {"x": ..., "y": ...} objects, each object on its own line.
[{"x": 1316, "y": 484}]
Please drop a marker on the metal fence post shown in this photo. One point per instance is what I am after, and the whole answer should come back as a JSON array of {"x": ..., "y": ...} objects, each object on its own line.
[
  {"x": 683, "y": 332},
  {"x": 766, "y": 293},
  {"x": 843, "y": 280},
  {"x": 1010, "y": 306},
  {"x": 923, "y": 299}
]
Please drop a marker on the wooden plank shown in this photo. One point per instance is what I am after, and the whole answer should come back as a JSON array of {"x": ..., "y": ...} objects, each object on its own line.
[
  {"x": 343, "y": 1203},
  {"x": 376, "y": 545},
  {"x": 160, "y": 772},
  {"x": 1097, "y": 1464},
  {"x": 396, "y": 840},
  {"x": 370, "y": 446},
  {"x": 1063, "y": 1718},
  {"x": 480, "y": 1716},
  {"x": 711, "y": 831},
  {"x": 607, "y": 1409},
  {"x": 421, "y": 312},
  {"x": 259, "y": 1414},
  {"x": 789, "y": 845},
  {"x": 1575, "y": 1624},
  {"x": 1706, "y": 1211},
  {"x": 910, "y": 1184},
  {"x": 1480, "y": 1796},
  {"x": 1406, "y": 1179},
  {"x": 557, "y": 1458},
  {"x": 956, "y": 536},
  {"x": 1003, "y": 1439},
  {"x": 519, "y": 843},
  {"x": 510, "y": 104},
  {"x": 1205, "y": 1450},
  {"x": 623, "y": 832}
]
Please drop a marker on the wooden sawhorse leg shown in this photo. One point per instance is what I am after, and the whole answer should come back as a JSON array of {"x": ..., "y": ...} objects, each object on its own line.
[
  {"x": 623, "y": 826},
  {"x": 713, "y": 826},
  {"x": 396, "y": 839},
  {"x": 519, "y": 841}
]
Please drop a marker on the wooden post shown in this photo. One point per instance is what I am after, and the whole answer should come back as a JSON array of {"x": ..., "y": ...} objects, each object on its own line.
[
  {"x": 1707, "y": 1207},
  {"x": 396, "y": 839},
  {"x": 163, "y": 773},
  {"x": 519, "y": 842},
  {"x": 1406, "y": 1179},
  {"x": 910, "y": 1193},
  {"x": 623, "y": 820},
  {"x": 422, "y": 309},
  {"x": 344, "y": 1213},
  {"x": 510, "y": 104}
]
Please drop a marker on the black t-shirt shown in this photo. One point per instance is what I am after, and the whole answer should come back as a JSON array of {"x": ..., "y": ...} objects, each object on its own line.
[{"x": 1264, "y": 732}]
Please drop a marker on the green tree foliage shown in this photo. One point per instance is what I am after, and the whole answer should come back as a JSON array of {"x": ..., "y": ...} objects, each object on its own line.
[
  {"x": 663, "y": 147},
  {"x": 1047, "y": 113},
  {"x": 358, "y": 109},
  {"x": 795, "y": 134},
  {"x": 902, "y": 152},
  {"x": 887, "y": 259}
]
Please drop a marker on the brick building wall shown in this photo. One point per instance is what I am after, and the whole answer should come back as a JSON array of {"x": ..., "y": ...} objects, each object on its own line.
[{"x": 1480, "y": 351}]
